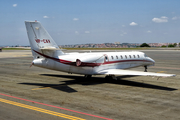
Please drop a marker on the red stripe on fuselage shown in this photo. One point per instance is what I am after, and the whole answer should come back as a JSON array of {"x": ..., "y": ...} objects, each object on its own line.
[
  {"x": 85, "y": 64},
  {"x": 110, "y": 62}
]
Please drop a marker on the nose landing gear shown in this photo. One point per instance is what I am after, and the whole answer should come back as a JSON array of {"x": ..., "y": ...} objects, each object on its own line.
[
  {"x": 145, "y": 68},
  {"x": 110, "y": 77},
  {"x": 88, "y": 76}
]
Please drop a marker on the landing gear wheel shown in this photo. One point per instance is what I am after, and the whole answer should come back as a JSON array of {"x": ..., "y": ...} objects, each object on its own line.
[
  {"x": 110, "y": 77},
  {"x": 88, "y": 76},
  {"x": 145, "y": 68}
]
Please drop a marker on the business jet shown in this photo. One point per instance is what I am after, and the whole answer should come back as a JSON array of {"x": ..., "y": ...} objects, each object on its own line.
[{"x": 47, "y": 54}]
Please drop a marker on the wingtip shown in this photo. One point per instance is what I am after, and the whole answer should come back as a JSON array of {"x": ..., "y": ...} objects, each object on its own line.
[{"x": 174, "y": 75}]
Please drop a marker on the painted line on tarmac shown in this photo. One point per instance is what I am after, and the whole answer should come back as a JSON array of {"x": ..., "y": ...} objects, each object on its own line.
[
  {"x": 161, "y": 72},
  {"x": 40, "y": 110},
  {"x": 41, "y": 88},
  {"x": 47, "y": 87},
  {"x": 56, "y": 107}
]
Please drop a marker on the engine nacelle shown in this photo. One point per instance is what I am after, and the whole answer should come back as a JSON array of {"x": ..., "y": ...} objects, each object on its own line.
[
  {"x": 90, "y": 60},
  {"x": 38, "y": 62},
  {"x": 45, "y": 63}
]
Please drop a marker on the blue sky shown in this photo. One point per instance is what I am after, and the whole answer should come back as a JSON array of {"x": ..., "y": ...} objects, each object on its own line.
[{"x": 92, "y": 21}]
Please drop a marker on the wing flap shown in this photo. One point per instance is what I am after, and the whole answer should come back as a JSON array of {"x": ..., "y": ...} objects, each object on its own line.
[{"x": 130, "y": 72}]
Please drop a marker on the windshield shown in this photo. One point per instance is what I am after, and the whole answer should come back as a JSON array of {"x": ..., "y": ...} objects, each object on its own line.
[{"x": 145, "y": 55}]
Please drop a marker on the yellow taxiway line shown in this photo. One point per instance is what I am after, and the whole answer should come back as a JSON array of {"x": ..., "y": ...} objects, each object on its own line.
[
  {"x": 161, "y": 72},
  {"x": 47, "y": 87},
  {"x": 41, "y": 110}
]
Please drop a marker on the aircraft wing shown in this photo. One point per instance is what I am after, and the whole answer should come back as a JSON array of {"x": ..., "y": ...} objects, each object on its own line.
[{"x": 130, "y": 72}]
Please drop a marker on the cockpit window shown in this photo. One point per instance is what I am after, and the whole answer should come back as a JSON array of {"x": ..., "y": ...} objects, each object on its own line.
[{"x": 145, "y": 55}]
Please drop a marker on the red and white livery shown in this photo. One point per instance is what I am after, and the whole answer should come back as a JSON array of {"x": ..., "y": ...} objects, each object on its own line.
[{"x": 47, "y": 54}]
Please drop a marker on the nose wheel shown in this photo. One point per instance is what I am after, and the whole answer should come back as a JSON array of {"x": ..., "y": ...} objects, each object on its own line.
[
  {"x": 145, "y": 68},
  {"x": 88, "y": 76},
  {"x": 110, "y": 77}
]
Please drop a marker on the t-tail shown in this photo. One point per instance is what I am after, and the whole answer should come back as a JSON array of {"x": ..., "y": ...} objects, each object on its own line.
[{"x": 40, "y": 41}]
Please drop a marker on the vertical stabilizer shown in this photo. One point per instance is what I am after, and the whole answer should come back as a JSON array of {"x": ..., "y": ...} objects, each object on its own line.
[{"x": 39, "y": 39}]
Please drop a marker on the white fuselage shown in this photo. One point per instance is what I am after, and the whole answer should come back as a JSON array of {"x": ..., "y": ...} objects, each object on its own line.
[
  {"x": 92, "y": 63},
  {"x": 46, "y": 54}
]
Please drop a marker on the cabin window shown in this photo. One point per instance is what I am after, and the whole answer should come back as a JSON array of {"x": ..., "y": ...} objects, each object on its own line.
[
  {"x": 138, "y": 56},
  {"x": 121, "y": 57},
  {"x": 134, "y": 56},
  {"x": 129, "y": 56},
  {"x": 116, "y": 56},
  {"x": 112, "y": 57},
  {"x": 106, "y": 57},
  {"x": 126, "y": 56}
]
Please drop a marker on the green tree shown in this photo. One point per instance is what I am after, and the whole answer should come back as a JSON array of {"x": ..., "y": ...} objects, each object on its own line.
[
  {"x": 144, "y": 45},
  {"x": 163, "y": 46},
  {"x": 170, "y": 45},
  {"x": 175, "y": 44}
]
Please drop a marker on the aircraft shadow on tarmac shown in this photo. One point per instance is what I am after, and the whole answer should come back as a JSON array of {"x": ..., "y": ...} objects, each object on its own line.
[{"x": 93, "y": 81}]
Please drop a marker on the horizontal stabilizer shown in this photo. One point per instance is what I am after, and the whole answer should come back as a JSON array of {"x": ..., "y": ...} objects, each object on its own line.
[
  {"x": 49, "y": 48},
  {"x": 130, "y": 72}
]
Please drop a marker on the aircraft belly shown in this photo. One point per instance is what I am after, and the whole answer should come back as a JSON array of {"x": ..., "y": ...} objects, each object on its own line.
[
  {"x": 127, "y": 65},
  {"x": 80, "y": 70},
  {"x": 50, "y": 63},
  {"x": 61, "y": 67}
]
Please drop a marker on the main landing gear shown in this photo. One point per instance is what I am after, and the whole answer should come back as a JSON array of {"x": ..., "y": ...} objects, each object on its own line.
[
  {"x": 87, "y": 76},
  {"x": 110, "y": 77},
  {"x": 145, "y": 68}
]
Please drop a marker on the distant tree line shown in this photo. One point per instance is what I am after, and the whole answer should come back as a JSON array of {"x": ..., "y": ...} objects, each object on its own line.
[
  {"x": 145, "y": 45},
  {"x": 170, "y": 45}
]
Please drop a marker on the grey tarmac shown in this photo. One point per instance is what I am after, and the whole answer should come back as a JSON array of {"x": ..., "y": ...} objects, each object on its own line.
[{"x": 129, "y": 97}]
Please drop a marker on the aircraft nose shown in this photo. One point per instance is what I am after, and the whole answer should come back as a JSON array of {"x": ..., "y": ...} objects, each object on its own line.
[{"x": 152, "y": 61}]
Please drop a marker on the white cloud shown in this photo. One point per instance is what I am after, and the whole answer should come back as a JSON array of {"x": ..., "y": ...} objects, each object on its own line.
[
  {"x": 149, "y": 31},
  {"x": 175, "y": 18},
  {"x": 123, "y": 33},
  {"x": 160, "y": 20},
  {"x": 164, "y": 17},
  {"x": 86, "y": 32},
  {"x": 75, "y": 19},
  {"x": 14, "y": 5},
  {"x": 133, "y": 24},
  {"x": 76, "y": 32},
  {"x": 45, "y": 17}
]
